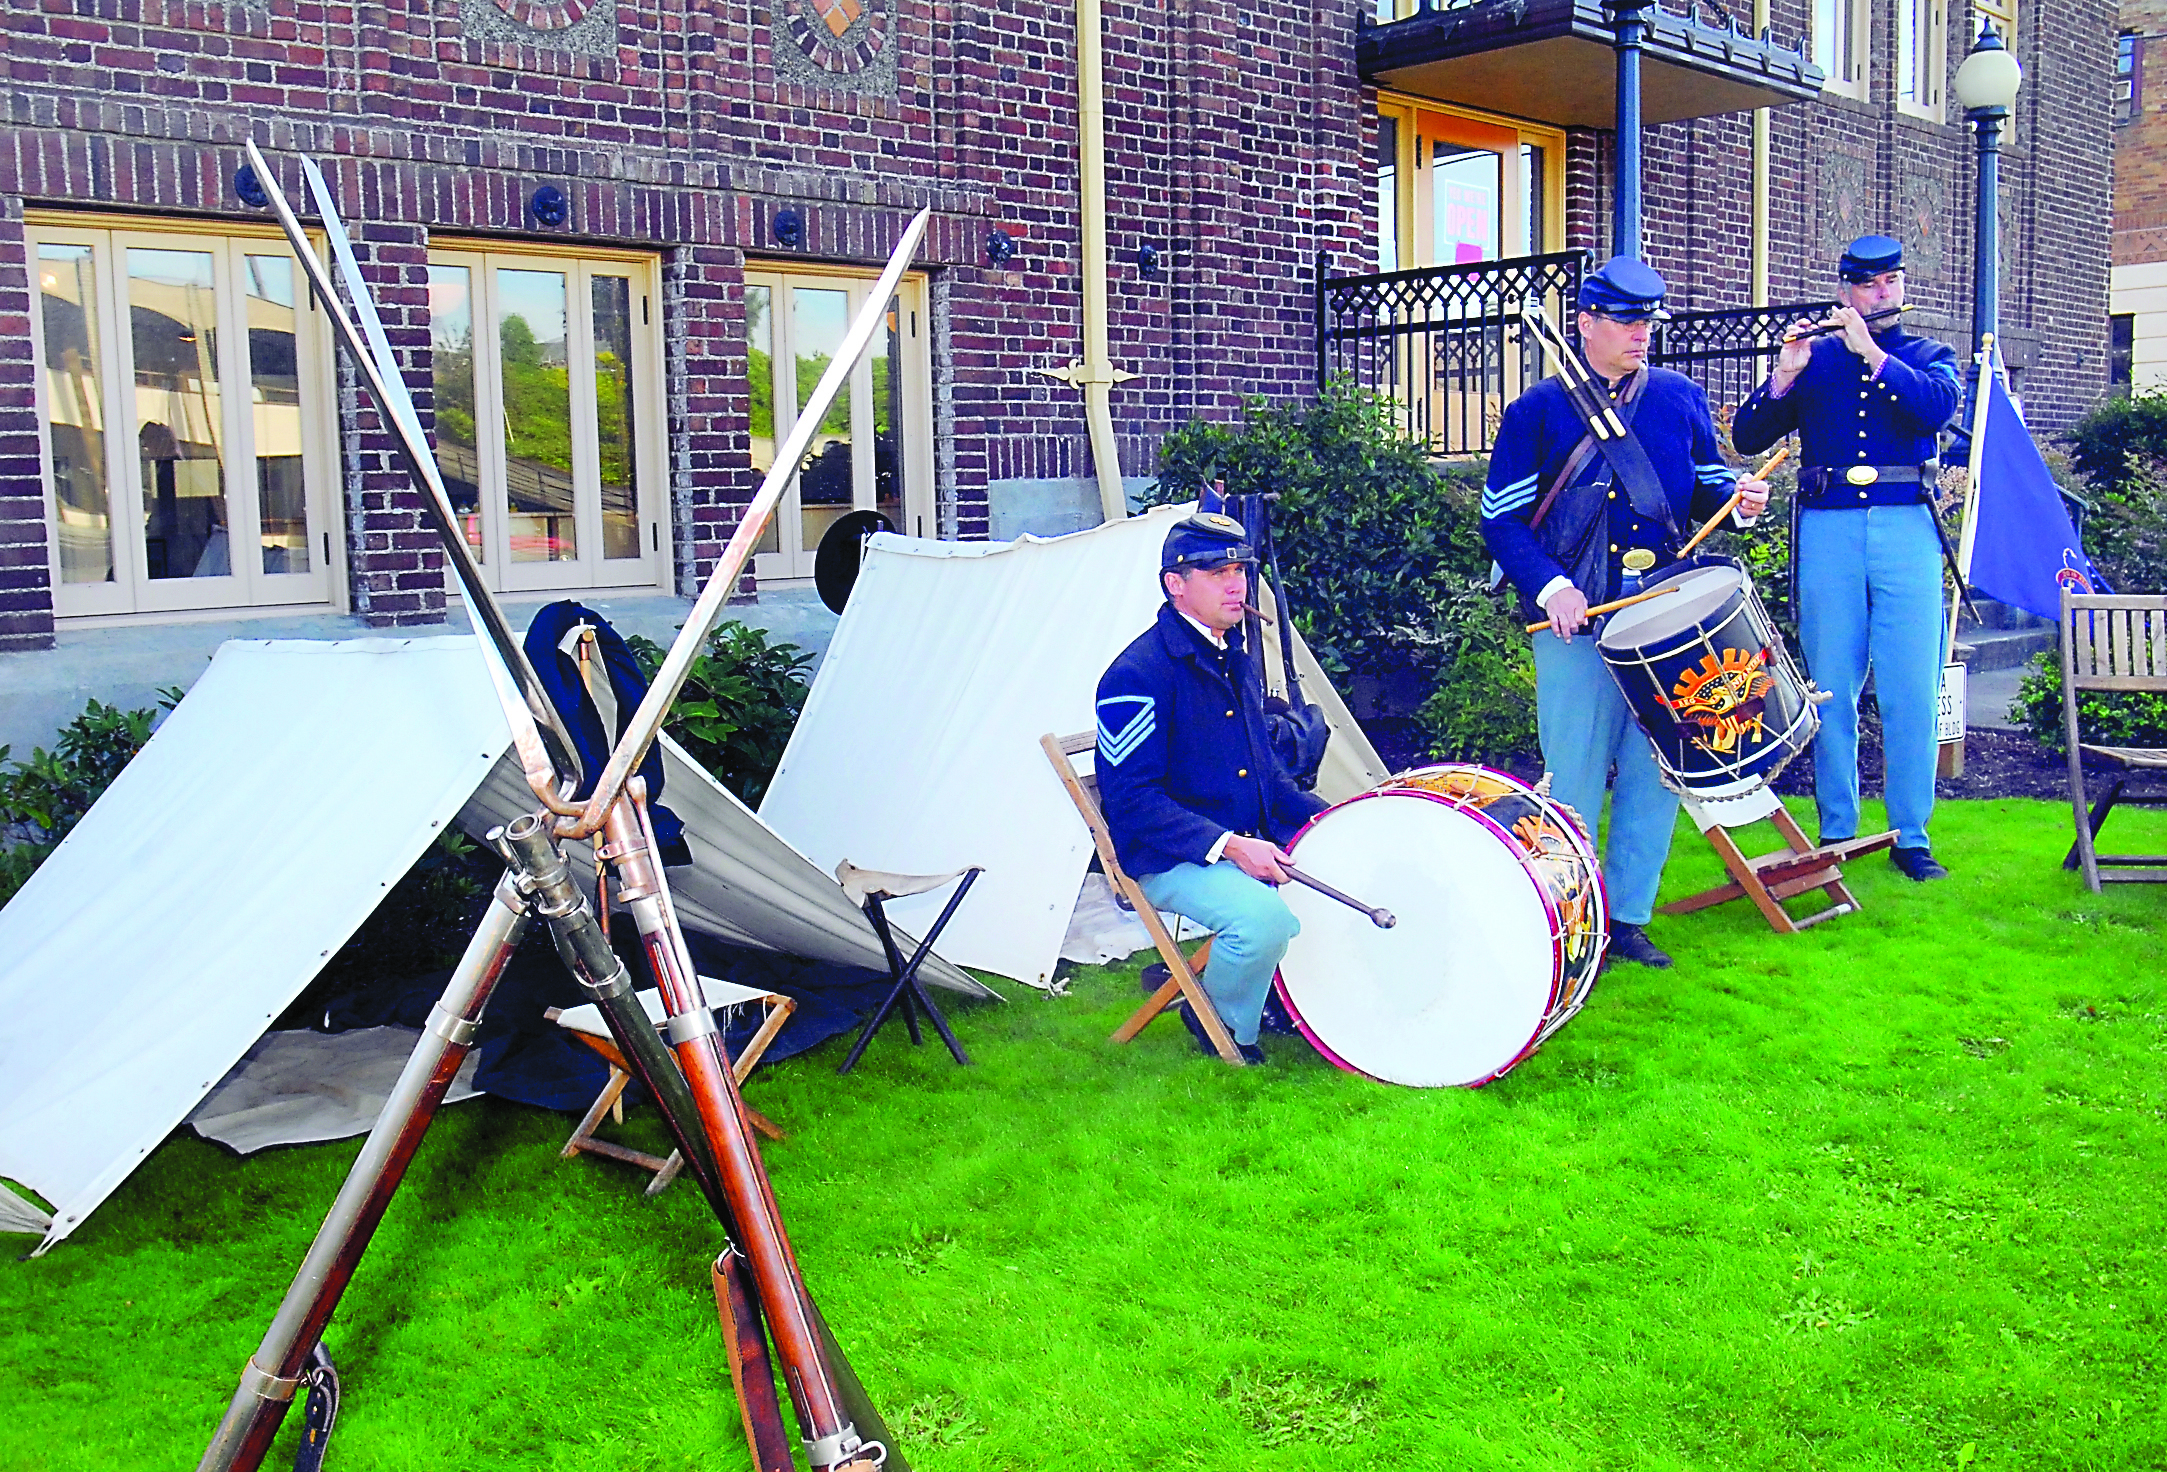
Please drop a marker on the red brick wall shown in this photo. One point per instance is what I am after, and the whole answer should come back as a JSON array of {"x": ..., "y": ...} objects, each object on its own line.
[
  {"x": 2140, "y": 145},
  {"x": 1237, "y": 142}
]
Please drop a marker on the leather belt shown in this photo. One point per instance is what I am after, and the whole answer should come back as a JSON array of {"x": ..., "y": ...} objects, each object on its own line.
[{"x": 1813, "y": 479}]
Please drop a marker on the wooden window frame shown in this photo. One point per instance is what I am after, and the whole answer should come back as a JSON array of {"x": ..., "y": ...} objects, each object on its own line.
[
  {"x": 1857, "y": 60},
  {"x": 1928, "y": 23},
  {"x": 589, "y": 571},
  {"x": 1414, "y": 228},
  {"x": 131, "y": 595}
]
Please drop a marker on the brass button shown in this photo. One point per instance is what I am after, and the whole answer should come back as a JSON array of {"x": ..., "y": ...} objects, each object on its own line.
[
  {"x": 1243, "y": 772},
  {"x": 1613, "y": 546},
  {"x": 1230, "y": 712},
  {"x": 1613, "y": 495}
]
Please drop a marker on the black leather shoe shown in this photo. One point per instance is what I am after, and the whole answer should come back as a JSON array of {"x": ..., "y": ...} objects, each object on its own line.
[
  {"x": 1631, "y": 943},
  {"x": 1250, "y": 1053},
  {"x": 1917, "y": 864},
  {"x": 1156, "y": 975}
]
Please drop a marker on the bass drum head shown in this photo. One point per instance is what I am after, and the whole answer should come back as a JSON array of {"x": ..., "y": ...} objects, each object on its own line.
[{"x": 1456, "y": 992}]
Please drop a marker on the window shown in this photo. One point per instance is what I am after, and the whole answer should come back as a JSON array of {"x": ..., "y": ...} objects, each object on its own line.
[
  {"x": 874, "y": 448},
  {"x": 2003, "y": 14},
  {"x": 1455, "y": 187},
  {"x": 1922, "y": 58},
  {"x": 202, "y": 349},
  {"x": 548, "y": 380},
  {"x": 2128, "y": 74},
  {"x": 1839, "y": 45},
  {"x": 2121, "y": 352}
]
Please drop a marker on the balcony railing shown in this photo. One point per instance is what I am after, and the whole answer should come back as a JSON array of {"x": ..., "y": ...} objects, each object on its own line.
[
  {"x": 1445, "y": 343},
  {"x": 1729, "y": 352}
]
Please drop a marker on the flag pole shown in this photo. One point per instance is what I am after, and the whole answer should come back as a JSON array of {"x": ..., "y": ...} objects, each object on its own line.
[{"x": 1968, "y": 530}]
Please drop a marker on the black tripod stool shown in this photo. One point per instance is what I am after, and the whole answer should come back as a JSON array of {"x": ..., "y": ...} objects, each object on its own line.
[{"x": 870, "y": 890}]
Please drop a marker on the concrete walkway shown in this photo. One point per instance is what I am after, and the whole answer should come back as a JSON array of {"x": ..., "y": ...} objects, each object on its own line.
[{"x": 126, "y": 666}]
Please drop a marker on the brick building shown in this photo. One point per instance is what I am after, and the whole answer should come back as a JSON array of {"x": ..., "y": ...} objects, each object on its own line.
[
  {"x": 2138, "y": 289},
  {"x": 613, "y": 238}
]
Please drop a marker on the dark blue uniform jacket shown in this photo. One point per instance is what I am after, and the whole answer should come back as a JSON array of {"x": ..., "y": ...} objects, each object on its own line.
[
  {"x": 1592, "y": 524},
  {"x": 1845, "y": 418},
  {"x": 1182, "y": 754}
]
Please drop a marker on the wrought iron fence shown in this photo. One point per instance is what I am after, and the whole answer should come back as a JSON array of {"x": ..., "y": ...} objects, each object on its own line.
[
  {"x": 1444, "y": 342},
  {"x": 1729, "y": 352}
]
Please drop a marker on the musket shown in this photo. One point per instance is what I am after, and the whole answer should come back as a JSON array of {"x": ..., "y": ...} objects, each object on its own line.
[{"x": 696, "y": 1090}]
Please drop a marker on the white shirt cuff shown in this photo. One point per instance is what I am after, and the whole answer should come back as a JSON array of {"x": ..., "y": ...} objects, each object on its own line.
[
  {"x": 1549, "y": 590},
  {"x": 1217, "y": 851}
]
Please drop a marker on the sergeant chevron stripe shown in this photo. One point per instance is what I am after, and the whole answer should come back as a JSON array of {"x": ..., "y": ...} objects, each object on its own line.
[
  {"x": 1499, "y": 500},
  {"x": 1115, "y": 745}
]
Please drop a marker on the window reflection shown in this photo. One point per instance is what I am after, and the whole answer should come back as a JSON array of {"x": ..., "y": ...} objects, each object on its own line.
[
  {"x": 821, "y": 317},
  {"x": 172, "y": 306},
  {"x": 274, "y": 381},
  {"x": 760, "y": 384},
  {"x": 451, "y": 346},
  {"x": 1464, "y": 199},
  {"x": 612, "y": 298},
  {"x": 75, "y": 412},
  {"x": 532, "y": 352},
  {"x": 887, "y": 420}
]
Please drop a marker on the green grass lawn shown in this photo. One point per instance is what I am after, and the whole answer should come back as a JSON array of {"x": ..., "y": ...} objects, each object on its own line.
[{"x": 1886, "y": 1194}]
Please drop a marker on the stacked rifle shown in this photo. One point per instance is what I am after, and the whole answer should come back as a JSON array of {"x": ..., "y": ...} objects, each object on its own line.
[{"x": 760, "y": 1294}]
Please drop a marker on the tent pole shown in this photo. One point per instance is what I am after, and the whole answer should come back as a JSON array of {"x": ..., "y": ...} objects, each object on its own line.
[{"x": 275, "y": 1370}]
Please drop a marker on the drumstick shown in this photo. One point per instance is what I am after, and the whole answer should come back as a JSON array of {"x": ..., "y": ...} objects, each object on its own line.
[
  {"x": 1732, "y": 504},
  {"x": 1538, "y": 627},
  {"x": 1382, "y": 919}
]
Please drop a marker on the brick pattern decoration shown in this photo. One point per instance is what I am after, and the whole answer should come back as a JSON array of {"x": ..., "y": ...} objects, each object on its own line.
[{"x": 1239, "y": 144}]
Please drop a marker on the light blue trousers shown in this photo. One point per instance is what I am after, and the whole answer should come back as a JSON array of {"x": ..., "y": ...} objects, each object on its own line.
[
  {"x": 1869, "y": 592},
  {"x": 1250, "y": 926},
  {"x": 1586, "y": 728}
]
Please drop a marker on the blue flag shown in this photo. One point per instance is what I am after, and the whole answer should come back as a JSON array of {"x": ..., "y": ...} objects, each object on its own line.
[{"x": 2023, "y": 550}]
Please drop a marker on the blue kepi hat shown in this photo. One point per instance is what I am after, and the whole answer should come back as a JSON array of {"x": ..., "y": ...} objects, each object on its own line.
[
  {"x": 1206, "y": 540},
  {"x": 1624, "y": 290},
  {"x": 1869, "y": 256}
]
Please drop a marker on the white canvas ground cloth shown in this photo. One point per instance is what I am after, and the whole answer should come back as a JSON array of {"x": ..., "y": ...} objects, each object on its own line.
[
  {"x": 259, "y": 827},
  {"x": 918, "y": 748}
]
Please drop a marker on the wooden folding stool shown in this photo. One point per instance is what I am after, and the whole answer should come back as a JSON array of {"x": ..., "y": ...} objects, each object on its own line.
[
  {"x": 2112, "y": 641},
  {"x": 1083, "y": 791},
  {"x": 1771, "y": 878},
  {"x": 585, "y": 1023}
]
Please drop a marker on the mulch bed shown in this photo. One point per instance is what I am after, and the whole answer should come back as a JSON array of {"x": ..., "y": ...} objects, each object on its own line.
[{"x": 1996, "y": 763}]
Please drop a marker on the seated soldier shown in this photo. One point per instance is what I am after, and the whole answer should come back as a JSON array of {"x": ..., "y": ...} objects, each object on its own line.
[{"x": 1196, "y": 800}]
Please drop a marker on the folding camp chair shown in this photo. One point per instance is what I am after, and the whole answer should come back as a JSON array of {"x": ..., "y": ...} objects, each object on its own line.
[
  {"x": 2112, "y": 641},
  {"x": 585, "y": 1023},
  {"x": 871, "y": 890},
  {"x": 1083, "y": 790}
]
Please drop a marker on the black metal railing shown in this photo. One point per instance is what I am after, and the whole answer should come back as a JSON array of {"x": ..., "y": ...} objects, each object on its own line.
[
  {"x": 1447, "y": 345},
  {"x": 1729, "y": 352},
  {"x": 1444, "y": 342}
]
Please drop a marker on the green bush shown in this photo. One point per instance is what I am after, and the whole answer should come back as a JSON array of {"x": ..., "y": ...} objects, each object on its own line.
[
  {"x": 1373, "y": 540},
  {"x": 2104, "y": 717},
  {"x": 2119, "y": 441},
  {"x": 740, "y": 701},
  {"x": 1485, "y": 706},
  {"x": 43, "y": 798}
]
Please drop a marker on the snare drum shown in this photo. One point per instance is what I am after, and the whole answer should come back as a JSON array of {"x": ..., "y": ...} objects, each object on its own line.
[
  {"x": 1502, "y": 923},
  {"x": 1710, "y": 681}
]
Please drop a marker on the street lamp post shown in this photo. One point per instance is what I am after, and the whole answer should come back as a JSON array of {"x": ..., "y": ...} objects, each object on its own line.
[
  {"x": 1628, "y": 16},
  {"x": 1986, "y": 88}
]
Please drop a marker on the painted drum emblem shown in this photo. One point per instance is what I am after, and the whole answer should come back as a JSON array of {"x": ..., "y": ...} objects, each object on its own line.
[{"x": 1725, "y": 700}]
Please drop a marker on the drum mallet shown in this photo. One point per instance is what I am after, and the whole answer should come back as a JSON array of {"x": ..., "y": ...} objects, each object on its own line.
[
  {"x": 1732, "y": 504},
  {"x": 1382, "y": 919}
]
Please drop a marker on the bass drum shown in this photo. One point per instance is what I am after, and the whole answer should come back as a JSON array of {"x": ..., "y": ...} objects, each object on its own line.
[{"x": 1502, "y": 924}]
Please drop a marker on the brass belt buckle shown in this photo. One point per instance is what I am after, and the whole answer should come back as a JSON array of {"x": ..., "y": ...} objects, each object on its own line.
[
  {"x": 1862, "y": 475},
  {"x": 1639, "y": 559}
]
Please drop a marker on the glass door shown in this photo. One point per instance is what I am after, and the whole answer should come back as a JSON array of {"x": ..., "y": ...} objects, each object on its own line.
[
  {"x": 203, "y": 352},
  {"x": 546, "y": 375},
  {"x": 873, "y": 447}
]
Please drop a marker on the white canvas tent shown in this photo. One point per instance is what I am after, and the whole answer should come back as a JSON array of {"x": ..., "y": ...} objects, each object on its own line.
[
  {"x": 918, "y": 748},
  {"x": 261, "y": 825}
]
